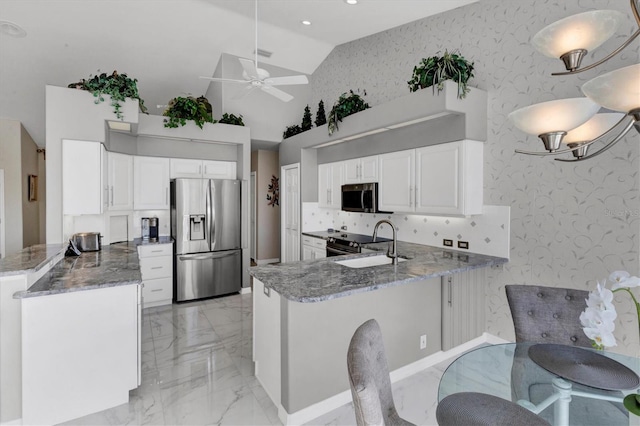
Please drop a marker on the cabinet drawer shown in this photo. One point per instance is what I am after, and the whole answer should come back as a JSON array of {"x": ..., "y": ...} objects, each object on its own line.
[
  {"x": 158, "y": 289},
  {"x": 319, "y": 243},
  {"x": 307, "y": 241},
  {"x": 156, "y": 267},
  {"x": 154, "y": 250}
]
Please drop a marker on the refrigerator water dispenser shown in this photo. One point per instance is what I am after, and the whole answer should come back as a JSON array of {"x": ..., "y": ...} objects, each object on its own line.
[{"x": 196, "y": 227}]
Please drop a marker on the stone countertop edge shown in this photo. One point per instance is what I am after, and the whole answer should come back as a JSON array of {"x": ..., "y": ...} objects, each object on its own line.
[
  {"x": 163, "y": 239},
  {"x": 116, "y": 264},
  {"x": 30, "y": 260},
  {"x": 323, "y": 279}
]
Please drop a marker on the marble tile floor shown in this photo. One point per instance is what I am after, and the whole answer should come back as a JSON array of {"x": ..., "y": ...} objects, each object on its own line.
[{"x": 197, "y": 370}]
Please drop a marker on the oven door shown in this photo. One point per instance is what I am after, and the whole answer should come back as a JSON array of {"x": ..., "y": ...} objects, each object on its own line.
[{"x": 339, "y": 250}]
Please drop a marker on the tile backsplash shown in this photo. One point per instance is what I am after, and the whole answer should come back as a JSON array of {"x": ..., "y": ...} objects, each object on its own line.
[{"x": 486, "y": 234}]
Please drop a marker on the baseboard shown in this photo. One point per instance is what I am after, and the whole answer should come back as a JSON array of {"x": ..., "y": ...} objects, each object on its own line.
[
  {"x": 245, "y": 290},
  {"x": 325, "y": 406},
  {"x": 267, "y": 261},
  {"x": 15, "y": 422}
]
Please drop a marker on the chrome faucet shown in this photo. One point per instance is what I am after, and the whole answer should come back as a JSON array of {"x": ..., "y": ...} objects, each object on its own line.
[{"x": 392, "y": 253}]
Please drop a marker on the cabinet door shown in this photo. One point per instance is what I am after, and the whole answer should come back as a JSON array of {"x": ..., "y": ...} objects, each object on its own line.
[
  {"x": 307, "y": 252},
  {"x": 219, "y": 169},
  {"x": 369, "y": 169},
  {"x": 395, "y": 190},
  {"x": 151, "y": 183},
  {"x": 336, "y": 179},
  {"x": 324, "y": 188},
  {"x": 352, "y": 171},
  {"x": 120, "y": 178},
  {"x": 319, "y": 253},
  {"x": 82, "y": 186},
  {"x": 185, "y": 168},
  {"x": 438, "y": 179},
  {"x": 463, "y": 307}
]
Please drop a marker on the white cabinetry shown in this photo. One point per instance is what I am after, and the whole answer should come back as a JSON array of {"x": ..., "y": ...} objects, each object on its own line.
[
  {"x": 463, "y": 308},
  {"x": 119, "y": 190},
  {"x": 156, "y": 267},
  {"x": 82, "y": 184},
  {"x": 440, "y": 179},
  {"x": 150, "y": 183},
  {"x": 211, "y": 169},
  {"x": 361, "y": 170},
  {"x": 313, "y": 248},
  {"x": 330, "y": 179}
]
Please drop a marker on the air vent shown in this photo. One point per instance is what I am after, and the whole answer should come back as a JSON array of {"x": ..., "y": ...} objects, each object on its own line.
[{"x": 264, "y": 53}]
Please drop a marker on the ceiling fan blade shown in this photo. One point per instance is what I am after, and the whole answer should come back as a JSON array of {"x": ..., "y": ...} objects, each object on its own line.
[
  {"x": 287, "y": 80},
  {"x": 224, "y": 80},
  {"x": 283, "y": 96},
  {"x": 249, "y": 67},
  {"x": 242, "y": 93}
]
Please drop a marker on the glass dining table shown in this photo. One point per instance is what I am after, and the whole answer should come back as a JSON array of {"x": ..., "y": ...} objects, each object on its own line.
[{"x": 558, "y": 392}]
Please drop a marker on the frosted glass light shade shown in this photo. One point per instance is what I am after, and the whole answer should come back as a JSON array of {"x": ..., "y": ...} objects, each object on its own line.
[
  {"x": 560, "y": 115},
  {"x": 596, "y": 126},
  {"x": 586, "y": 30},
  {"x": 618, "y": 90}
]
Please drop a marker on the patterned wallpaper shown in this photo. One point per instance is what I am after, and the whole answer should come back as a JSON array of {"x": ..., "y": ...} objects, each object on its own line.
[{"x": 571, "y": 224}]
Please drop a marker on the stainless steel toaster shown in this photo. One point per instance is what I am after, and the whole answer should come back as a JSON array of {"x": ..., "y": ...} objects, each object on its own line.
[{"x": 88, "y": 241}]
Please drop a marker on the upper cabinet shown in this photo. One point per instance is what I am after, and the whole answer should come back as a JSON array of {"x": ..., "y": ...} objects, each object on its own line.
[
  {"x": 440, "y": 179},
  {"x": 82, "y": 178},
  {"x": 361, "y": 170},
  {"x": 119, "y": 190},
  {"x": 150, "y": 183},
  {"x": 330, "y": 180},
  {"x": 210, "y": 169}
]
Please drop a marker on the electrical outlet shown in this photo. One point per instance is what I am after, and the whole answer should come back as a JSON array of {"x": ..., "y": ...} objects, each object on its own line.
[
  {"x": 463, "y": 244},
  {"x": 344, "y": 227},
  {"x": 423, "y": 341},
  {"x": 447, "y": 243}
]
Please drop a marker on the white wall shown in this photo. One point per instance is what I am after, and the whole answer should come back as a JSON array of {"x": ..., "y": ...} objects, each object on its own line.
[{"x": 265, "y": 164}]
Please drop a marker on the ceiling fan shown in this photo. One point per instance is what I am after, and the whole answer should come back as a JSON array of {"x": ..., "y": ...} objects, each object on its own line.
[{"x": 257, "y": 78}]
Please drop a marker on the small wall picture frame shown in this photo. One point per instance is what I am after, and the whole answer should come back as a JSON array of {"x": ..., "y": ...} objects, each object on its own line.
[{"x": 33, "y": 188}]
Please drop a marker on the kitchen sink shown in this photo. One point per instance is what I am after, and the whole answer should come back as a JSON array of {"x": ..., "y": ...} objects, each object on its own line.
[{"x": 367, "y": 262}]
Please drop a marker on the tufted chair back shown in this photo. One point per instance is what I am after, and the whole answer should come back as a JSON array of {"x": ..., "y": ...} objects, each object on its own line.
[
  {"x": 548, "y": 314},
  {"x": 369, "y": 378}
]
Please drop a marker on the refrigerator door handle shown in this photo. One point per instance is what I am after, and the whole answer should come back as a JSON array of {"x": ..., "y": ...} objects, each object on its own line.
[
  {"x": 208, "y": 256},
  {"x": 212, "y": 214},
  {"x": 207, "y": 219}
]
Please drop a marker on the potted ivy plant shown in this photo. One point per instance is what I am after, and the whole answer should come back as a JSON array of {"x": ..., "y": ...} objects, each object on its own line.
[
  {"x": 435, "y": 70},
  {"x": 231, "y": 119},
  {"x": 180, "y": 109},
  {"x": 118, "y": 86},
  {"x": 347, "y": 104}
]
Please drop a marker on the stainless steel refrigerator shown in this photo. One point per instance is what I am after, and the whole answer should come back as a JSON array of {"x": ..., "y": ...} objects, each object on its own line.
[{"x": 205, "y": 223}]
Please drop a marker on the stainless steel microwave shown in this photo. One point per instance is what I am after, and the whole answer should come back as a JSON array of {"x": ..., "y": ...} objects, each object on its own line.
[{"x": 361, "y": 197}]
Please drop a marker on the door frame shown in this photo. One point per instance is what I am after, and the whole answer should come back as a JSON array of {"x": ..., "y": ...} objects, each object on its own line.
[
  {"x": 283, "y": 208},
  {"x": 253, "y": 203},
  {"x": 2, "y": 217}
]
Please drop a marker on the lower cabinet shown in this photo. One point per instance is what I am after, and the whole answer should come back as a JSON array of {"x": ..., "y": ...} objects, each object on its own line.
[
  {"x": 463, "y": 307},
  {"x": 156, "y": 266},
  {"x": 313, "y": 248}
]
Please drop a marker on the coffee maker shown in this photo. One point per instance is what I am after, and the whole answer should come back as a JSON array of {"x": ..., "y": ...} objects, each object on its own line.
[{"x": 150, "y": 229}]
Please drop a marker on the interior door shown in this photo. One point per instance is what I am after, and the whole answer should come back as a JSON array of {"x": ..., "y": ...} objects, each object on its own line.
[
  {"x": 254, "y": 205},
  {"x": 290, "y": 250}
]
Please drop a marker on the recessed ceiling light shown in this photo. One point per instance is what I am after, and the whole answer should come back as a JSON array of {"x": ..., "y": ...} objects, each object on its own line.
[
  {"x": 12, "y": 29},
  {"x": 351, "y": 1},
  {"x": 305, "y": 22}
]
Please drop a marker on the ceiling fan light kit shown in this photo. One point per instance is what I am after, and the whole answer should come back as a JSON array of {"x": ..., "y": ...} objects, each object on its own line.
[{"x": 574, "y": 121}]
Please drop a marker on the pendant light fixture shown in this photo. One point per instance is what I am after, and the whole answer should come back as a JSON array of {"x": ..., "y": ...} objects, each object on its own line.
[{"x": 554, "y": 122}]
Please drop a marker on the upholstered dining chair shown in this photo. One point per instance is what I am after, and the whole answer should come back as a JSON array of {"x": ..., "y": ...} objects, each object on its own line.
[
  {"x": 479, "y": 409},
  {"x": 369, "y": 378},
  {"x": 552, "y": 315}
]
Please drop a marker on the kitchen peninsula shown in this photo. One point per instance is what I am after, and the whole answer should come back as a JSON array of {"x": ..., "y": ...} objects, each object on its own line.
[
  {"x": 306, "y": 312},
  {"x": 73, "y": 347}
]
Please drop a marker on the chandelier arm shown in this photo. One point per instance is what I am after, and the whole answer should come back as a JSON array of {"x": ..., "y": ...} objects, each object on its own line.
[
  {"x": 582, "y": 145},
  {"x": 605, "y": 148},
  {"x": 605, "y": 59}
]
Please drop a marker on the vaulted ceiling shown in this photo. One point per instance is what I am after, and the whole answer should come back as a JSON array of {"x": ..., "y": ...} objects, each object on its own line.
[{"x": 167, "y": 44}]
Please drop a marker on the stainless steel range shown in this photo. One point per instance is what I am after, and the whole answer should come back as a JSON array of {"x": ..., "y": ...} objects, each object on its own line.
[{"x": 347, "y": 243}]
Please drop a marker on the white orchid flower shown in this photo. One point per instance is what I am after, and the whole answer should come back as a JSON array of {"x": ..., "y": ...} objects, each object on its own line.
[
  {"x": 622, "y": 279},
  {"x": 601, "y": 299},
  {"x": 602, "y": 337}
]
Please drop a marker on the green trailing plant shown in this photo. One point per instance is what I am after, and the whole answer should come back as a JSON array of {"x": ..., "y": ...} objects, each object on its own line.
[
  {"x": 181, "y": 109},
  {"x": 291, "y": 131},
  {"x": 435, "y": 70},
  {"x": 118, "y": 86},
  {"x": 321, "y": 117},
  {"x": 306, "y": 119},
  {"x": 231, "y": 119},
  {"x": 348, "y": 103}
]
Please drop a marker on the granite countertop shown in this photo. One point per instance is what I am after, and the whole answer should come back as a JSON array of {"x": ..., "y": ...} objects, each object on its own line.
[
  {"x": 161, "y": 240},
  {"x": 116, "y": 264},
  {"x": 30, "y": 260},
  {"x": 323, "y": 279}
]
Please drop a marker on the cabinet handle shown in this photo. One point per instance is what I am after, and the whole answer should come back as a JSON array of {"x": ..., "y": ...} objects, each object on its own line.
[
  {"x": 328, "y": 196},
  {"x": 156, "y": 290},
  {"x": 158, "y": 267},
  {"x": 415, "y": 196},
  {"x": 200, "y": 169},
  {"x": 156, "y": 251},
  {"x": 112, "y": 195},
  {"x": 166, "y": 196},
  {"x": 449, "y": 291},
  {"x": 410, "y": 196}
]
